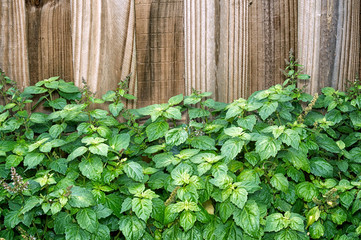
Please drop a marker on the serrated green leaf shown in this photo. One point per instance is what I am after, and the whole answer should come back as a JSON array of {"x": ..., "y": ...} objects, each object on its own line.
[
  {"x": 176, "y": 136},
  {"x": 74, "y": 232},
  {"x": 306, "y": 190},
  {"x": 247, "y": 122},
  {"x": 81, "y": 197},
  {"x": 316, "y": 230},
  {"x": 280, "y": 182},
  {"x": 87, "y": 219},
  {"x": 31, "y": 160},
  {"x": 231, "y": 148},
  {"x": 175, "y": 99},
  {"x": 267, "y": 109},
  {"x": 203, "y": 143},
  {"x": 267, "y": 147},
  {"x": 239, "y": 197},
  {"x": 77, "y": 152},
  {"x": 132, "y": 227},
  {"x": 321, "y": 168},
  {"x": 115, "y": 108},
  {"x": 91, "y": 168},
  {"x": 134, "y": 170},
  {"x": 100, "y": 149},
  {"x": 187, "y": 220},
  {"x": 274, "y": 223},
  {"x": 248, "y": 219},
  {"x": 142, "y": 208},
  {"x": 156, "y": 130}
]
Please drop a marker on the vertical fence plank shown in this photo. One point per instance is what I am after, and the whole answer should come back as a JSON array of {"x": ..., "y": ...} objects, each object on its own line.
[
  {"x": 13, "y": 41},
  {"x": 273, "y": 32},
  {"x": 103, "y": 40},
  {"x": 49, "y": 39},
  {"x": 329, "y": 42},
  {"x": 216, "y": 47},
  {"x": 201, "y": 20},
  {"x": 160, "y": 54}
]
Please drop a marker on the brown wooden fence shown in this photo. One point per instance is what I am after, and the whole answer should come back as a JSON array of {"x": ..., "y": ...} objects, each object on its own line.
[{"x": 229, "y": 47}]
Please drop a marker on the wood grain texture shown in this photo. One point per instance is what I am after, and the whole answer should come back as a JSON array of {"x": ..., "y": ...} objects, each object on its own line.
[
  {"x": 13, "y": 41},
  {"x": 160, "y": 50},
  {"x": 103, "y": 44},
  {"x": 216, "y": 47},
  {"x": 272, "y": 33},
  {"x": 329, "y": 42},
  {"x": 49, "y": 39}
]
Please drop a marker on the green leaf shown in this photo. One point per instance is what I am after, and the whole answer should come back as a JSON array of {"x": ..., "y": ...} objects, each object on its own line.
[
  {"x": 156, "y": 130},
  {"x": 298, "y": 159},
  {"x": 132, "y": 227},
  {"x": 38, "y": 117},
  {"x": 291, "y": 138},
  {"x": 327, "y": 143},
  {"x": 102, "y": 233},
  {"x": 142, "y": 208},
  {"x": 91, "y": 168},
  {"x": 338, "y": 215},
  {"x": 68, "y": 87},
  {"x": 197, "y": 113},
  {"x": 267, "y": 109},
  {"x": 187, "y": 220},
  {"x": 176, "y": 136},
  {"x": 173, "y": 113},
  {"x": 13, "y": 161},
  {"x": 33, "y": 159},
  {"x": 274, "y": 223},
  {"x": 247, "y": 122},
  {"x": 56, "y": 130},
  {"x": 30, "y": 203},
  {"x": 163, "y": 159},
  {"x": 303, "y": 76},
  {"x": 34, "y": 90},
  {"x": 239, "y": 197},
  {"x": 316, "y": 230},
  {"x": 297, "y": 222},
  {"x": 100, "y": 149},
  {"x": 102, "y": 211},
  {"x": 203, "y": 143},
  {"x": 267, "y": 147},
  {"x": 12, "y": 218},
  {"x": 119, "y": 142},
  {"x": 58, "y": 103},
  {"x": 356, "y": 118},
  {"x": 226, "y": 209},
  {"x": 61, "y": 221},
  {"x": 306, "y": 190},
  {"x": 175, "y": 100},
  {"x": 321, "y": 168},
  {"x": 231, "y": 148},
  {"x": 287, "y": 234},
  {"x": 134, "y": 170},
  {"x": 87, "y": 219},
  {"x": 248, "y": 219},
  {"x": 115, "y": 108},
  {"x": 74, "y": 232},
  {"x": 77, "y": 152},
  {"x": 81, "y": 197},
  {"x": 181, "y": 174},
  {"x": 280, "y": 182}
]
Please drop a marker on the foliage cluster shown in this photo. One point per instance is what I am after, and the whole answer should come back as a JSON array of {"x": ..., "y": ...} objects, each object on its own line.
[{"x": 263, "y": 168}]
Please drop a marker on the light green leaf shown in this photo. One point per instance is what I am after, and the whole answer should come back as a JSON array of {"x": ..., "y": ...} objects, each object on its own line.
[
  {"x": 203, "y": 143},
  {"x": 321, "y": 168},
  {"x": 87, "y": 219},
  {"x": 142, "y": 208},
  {"x": 306, "y": 190},
  {"x": 226, "y": 209},
  {"x": 247, "y": 122},
  {"x": 248, "y": 219},
  {"x": 77, "y": 152},
  {"x": 163, "y": 159},
  {"x": 132, "y": 227},
  {"x": 134, "y": 170},
  {"x": 119, "y": 141},
  {"x": 175, "y": 100},
  {"x": 338, "y": 215},
  {"x": 176, "y": 136},
  {"x": 100, "y": 149},
  {"x": 30, "y": 203},
  {"x": 33, "y": 159},
  {"x": 197, "y": 113},
  {"x": 280, "y": 182},
  {"x": 74, "y": 232},
  {"x": 115, "y": 108},
  {"x": 156, "y": 130},
  {"x": 274, "y": 223},
  {"x": 291, "y": 138},
  {"x": 267, "y": 147},
  {"x": 13, "y": 161},
  {"x": 316, "y": 230},
  {"x": 231, "y": 148},
  {"x": 298, "y": 159},
  {"x": 57, "y": 129},
  {"x": 173, "y": 113},
  {"x": 12, "y": 218},
  {"x": 81, "y": 197},
  {"x": 187, "y": 220},
  {"x": 267, "y": 109},
  {"x": 239, "y": 197},
  {"x": 91, "y": 168}
]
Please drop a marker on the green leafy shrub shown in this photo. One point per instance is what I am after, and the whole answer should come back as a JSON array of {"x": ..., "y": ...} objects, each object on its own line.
[{"x": 263, "y": 168}]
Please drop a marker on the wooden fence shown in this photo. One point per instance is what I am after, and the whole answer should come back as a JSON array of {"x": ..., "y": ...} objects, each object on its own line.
[{"x": 229, "y": 47}]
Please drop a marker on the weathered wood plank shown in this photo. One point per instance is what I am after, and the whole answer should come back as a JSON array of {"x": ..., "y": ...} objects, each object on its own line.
[
  {"x": 329, "y": 41},
  {"x": 13, "y": 41},
  {"x": 49, "y": 39},
  {"x": 160, "y": 54},
  {"x": 103, "y": 43},
  {"x": 272, "y": 33}
]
